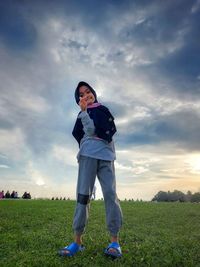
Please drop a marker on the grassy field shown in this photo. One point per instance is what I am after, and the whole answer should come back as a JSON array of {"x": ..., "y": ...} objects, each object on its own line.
[{"x": 153, "y": 234}]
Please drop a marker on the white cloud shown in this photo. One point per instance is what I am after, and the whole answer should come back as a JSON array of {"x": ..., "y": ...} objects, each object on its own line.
[
  {"x": 34, "y": 103},
  {"x": 193, "y": 163},
  {"x": 3, "y": 166},
  {"x": 13, "y": 144},
  {"x": 36, "y": 176},
  {"x": 65, "y": 154},
  {"x": 122, "y": 167}
]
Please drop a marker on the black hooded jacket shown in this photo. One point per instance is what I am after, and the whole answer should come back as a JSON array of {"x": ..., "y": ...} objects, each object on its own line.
[{"x": 103, "y": 120}]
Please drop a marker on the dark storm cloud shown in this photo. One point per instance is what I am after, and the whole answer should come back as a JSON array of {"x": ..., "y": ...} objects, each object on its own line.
[
  {"x": 16, "y": 30},
  {"x": 179, "y": 68},
  {"x": 180, "y": 128},
  {"x": 158, "y": 22},
  {"x": 150, "y": 27}
]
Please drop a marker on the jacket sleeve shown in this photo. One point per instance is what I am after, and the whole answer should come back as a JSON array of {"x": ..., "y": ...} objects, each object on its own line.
[
  {"x": 88, "y": 124},
  {"x": 83, "y": 125}
]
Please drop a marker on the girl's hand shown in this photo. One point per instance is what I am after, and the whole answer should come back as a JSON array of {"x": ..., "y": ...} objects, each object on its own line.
[{"x": 83, "y": 103}]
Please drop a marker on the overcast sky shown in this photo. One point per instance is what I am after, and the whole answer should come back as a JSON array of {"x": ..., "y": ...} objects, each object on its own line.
[{"x": 142, "y": 58}]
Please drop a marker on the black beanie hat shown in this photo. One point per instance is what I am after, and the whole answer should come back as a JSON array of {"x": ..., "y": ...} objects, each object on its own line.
[{"x": 77, "y": 91}]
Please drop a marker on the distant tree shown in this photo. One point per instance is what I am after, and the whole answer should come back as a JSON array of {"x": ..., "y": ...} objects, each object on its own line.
[
  {"x": 188, "y": 196},
  {"x": 52, "y": 198},
  {"x": 161, "y": 196},
  {"x": 195, "y": 197},
  {"x": 177, "y": 196}
]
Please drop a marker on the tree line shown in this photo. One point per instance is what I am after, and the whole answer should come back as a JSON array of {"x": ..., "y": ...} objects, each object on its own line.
[{"x": 177, "y": 195}]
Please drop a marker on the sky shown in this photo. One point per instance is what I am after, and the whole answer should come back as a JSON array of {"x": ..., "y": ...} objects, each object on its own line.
[{"x": 143, "y": 60}]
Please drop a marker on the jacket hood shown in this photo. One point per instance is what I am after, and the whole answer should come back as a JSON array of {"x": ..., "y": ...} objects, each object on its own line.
[{"x": 77, "y": 91}]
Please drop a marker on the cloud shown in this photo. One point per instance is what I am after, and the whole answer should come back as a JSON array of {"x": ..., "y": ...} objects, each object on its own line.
[
  {"x": 16, "y": 30},
  {"x": 12, "y": 144},
  {"x": 36, "y": 176},
  {"x": 196, "y": 6},
  {"x": 66, "y": 155},
  {"x": 4, "y": 166},
  {"x": 143, "y": 60}
]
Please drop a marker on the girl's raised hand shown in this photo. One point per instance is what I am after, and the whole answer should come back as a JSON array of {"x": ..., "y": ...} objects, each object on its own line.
[{"x": 83, "y": 103}]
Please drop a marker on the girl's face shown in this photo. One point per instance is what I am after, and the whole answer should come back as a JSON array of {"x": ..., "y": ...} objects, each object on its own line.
[{"x": 84, "y": 92}]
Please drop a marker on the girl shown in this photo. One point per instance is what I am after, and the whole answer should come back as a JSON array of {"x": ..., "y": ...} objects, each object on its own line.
[{"x": 93, "y": 130}]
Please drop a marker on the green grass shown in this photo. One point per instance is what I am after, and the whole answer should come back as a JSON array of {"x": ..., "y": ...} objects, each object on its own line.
[{"x": 153, "y": 234}]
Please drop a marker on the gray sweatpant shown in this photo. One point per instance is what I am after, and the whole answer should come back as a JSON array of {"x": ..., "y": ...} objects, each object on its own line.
[{"x": 89, "y": 168}]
